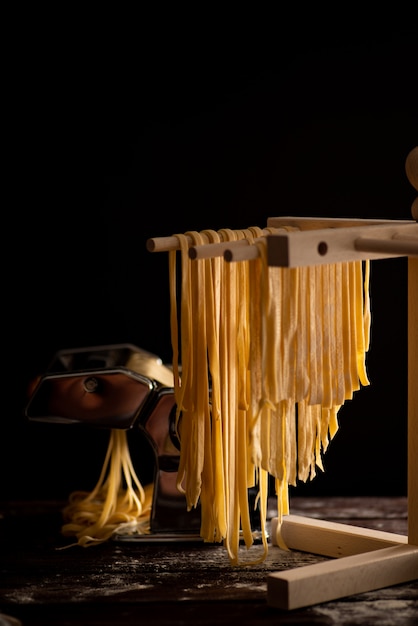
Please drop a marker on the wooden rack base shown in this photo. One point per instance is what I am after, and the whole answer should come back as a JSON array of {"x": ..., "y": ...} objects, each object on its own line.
[
  {"x": 338, "y": 578},
  {"x": 362, "y": 560}
]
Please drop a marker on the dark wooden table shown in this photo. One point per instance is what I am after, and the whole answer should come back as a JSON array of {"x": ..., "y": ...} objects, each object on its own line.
[{"x": 177, "y": 583}]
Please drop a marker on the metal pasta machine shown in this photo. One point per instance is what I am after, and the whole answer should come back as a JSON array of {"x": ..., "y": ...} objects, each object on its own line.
[{"x": 122, "y": 386}]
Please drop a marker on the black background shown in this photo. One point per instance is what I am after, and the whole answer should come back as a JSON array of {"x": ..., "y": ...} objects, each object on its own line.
[{"x": 162, "y": 129}]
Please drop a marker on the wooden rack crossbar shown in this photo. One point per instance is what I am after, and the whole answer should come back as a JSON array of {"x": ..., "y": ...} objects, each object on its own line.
[
  {"x": 329, "y": 245},
  {"x": 347, "y": 243},
  {"x": 363, "y": 559},
  {"x": 312, "y": 241}
]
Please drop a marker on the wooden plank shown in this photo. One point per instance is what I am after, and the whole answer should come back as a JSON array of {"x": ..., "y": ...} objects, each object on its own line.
[
  {"x": 412, "y": 401},
  {"x": 333, "y": 245},
  {"x": 315, "y": 223},
  {"x": 339, "y": 578},
  {"x": 332, "y": 539}
]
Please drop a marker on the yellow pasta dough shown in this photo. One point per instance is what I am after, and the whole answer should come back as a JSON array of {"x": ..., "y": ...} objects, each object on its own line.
[
  {"x": 118, "y": 502},
  {"x": 268, "y": 355},
  {"x": 263, "y": 359}
]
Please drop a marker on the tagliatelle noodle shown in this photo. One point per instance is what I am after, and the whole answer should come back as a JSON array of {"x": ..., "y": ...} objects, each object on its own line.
[
  {"x": 339, "y": 331},
  {"x": 252, "y": 475},
  {"x": 192, "y": 393},
  {"x": 231, "y": 387},
  {"x": 271, "y": 446},
  {"x": 362, "y": 317},
  {"x": 213, "y": 269},
  {"x": 228, "y": 352}
]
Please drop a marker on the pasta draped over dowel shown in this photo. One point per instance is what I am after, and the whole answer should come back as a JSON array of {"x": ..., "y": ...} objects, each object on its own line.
[{"x": 263, "y": 358}]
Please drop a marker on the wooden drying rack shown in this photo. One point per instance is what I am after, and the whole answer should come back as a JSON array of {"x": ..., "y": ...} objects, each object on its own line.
[
  {"x": 368, "y": 559},
  {"x": 361, "y": 559}
]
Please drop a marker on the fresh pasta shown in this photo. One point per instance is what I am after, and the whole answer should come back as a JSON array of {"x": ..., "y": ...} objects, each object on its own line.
[
  {"x": 263, "y": 359},
  {"x": 268, "y": 355},
  {"x": 118, "y": 502}
]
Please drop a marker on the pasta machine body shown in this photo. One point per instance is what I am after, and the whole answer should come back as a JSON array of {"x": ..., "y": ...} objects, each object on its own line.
[{"x": 122, "y": 387}]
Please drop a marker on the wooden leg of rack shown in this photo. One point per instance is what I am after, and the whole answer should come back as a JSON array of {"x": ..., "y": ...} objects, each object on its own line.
[
  {"x": 413, "y": 401},
  {"x": 331, "y": 539},
  {"x": 339, "y": 578}
]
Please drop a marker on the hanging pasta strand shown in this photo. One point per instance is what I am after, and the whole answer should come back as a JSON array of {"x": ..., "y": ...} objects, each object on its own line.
[
  {"x": 215, "y": 508},
  {"x": 302, "y": 339},
  {"x": 256, "y": 375},
  {"x": 339, "y": 331},
  {"x": 230, "y": 370},
  {"x": 214, "y": 269},
  {"x": 315, "y": 388},
  {"x": 362, "y": 311}
]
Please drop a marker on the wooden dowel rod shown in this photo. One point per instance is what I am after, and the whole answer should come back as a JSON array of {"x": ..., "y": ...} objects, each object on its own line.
[
  {"x": 399, "y": 245},
  {"x": 404, "y": 237},
  {"x": 164, "y": 244},
  {"x": 243, "y": 253},
  {"x": 210, "y": 250},
  {"x": 205, "y": 251}
]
